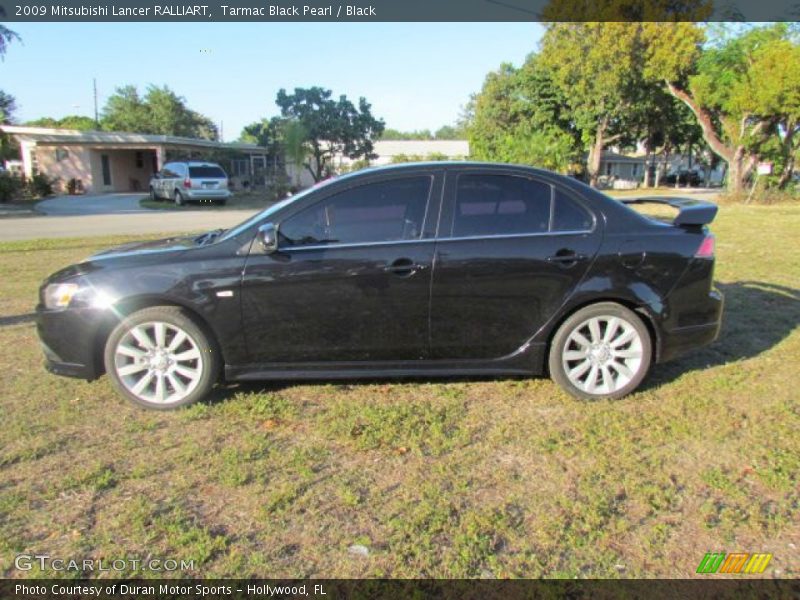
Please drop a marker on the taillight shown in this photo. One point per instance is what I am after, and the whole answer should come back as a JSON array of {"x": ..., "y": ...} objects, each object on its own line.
[
  {"x": 706, "y": 249},
  {"x": 187, "y": 183}
]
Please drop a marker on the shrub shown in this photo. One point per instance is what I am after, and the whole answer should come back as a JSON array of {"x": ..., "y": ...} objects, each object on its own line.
[
  {"x": 41, "y": 185},
  {"x": 10, "y": 187}
]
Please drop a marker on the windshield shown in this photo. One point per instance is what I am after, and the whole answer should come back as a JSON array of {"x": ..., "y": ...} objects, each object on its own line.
[{"x": 271, "y": 210}]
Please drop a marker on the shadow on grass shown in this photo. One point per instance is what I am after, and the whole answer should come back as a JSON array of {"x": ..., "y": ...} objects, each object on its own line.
[
  {"x": 17, "y": 319},
  {"x": 757, "y": 317}
]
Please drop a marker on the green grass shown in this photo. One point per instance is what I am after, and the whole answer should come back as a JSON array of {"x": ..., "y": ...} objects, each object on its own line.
[
  {"x": 250, "y": 200},
  {"x": 471, "y": 478}
]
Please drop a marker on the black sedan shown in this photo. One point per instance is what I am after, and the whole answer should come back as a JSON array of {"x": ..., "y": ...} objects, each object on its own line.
[{"x": 460, "y": 269}]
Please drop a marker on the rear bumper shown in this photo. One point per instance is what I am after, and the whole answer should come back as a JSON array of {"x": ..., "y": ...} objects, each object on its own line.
[
  {"x": 675, "y": 342},
  {"x": 201, "y": 194}
]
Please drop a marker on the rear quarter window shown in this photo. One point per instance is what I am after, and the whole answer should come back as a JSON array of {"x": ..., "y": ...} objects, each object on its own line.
[{"x": 568, "y": 215}]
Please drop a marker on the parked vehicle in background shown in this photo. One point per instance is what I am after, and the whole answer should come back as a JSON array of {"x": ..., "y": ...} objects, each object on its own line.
[
  {"x": 190, "y": 181},
  {"x": 415, "y": 270},
  {"x": 688, "y": 177}
]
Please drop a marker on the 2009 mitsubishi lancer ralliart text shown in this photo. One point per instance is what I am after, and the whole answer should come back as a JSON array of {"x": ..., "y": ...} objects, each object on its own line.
[{"x": 458, "y": 269}]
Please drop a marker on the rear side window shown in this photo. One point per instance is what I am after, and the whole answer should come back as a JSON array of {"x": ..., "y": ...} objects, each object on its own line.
[
  {"x": 499, "y": 205},
  {"x": 568, "y": 215},
  {"x": 209, "y": 171},
  {"x": 376, "y": 212}
]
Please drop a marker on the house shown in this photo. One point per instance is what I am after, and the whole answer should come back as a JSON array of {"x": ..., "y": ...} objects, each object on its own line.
[
  {"x": 621, "y": 172},
  {"x": 103, "y": 161}
]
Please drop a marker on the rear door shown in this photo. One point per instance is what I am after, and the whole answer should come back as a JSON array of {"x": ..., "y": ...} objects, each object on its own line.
[
  {"x": 511, "y": 249},
  {"x": 351, "y": 278}
]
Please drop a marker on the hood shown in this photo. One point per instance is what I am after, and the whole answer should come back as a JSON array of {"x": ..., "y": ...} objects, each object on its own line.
[{"x": 171, "y": 244}]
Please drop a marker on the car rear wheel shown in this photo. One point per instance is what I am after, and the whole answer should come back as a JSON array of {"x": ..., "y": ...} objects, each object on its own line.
[
  {"x": 602, "y": 351},
  {"x": 179, "y": 198},
  {"x": 159, "y": 358}
]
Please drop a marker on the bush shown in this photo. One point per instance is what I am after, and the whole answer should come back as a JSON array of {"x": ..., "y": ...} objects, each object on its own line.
[
  {"x": 10, "y": 187},
  {"x": 41, "y": 185}
]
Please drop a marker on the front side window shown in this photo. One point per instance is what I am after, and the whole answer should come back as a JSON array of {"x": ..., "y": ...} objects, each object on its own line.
[
  {"x": 500, "y": 205},
  {"x": 386, "y": 211}
]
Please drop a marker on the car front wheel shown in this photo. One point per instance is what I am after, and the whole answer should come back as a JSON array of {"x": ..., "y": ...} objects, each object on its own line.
[
  {"x": 161, "y": 359},
  {"x": 602, "y": 351}
]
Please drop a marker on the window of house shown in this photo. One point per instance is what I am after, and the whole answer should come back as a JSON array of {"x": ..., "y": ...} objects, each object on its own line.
[
  {"x": 608, "y": 168},
  {"x": 375, "y": 212},
  {"x": 500, "y": 204},
  {"x": 139, "y": 160},
  {"x": 61, "y": 154}
]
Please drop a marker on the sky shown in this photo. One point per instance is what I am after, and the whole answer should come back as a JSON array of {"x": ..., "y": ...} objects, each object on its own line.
[{"x": 415, "y": 75}]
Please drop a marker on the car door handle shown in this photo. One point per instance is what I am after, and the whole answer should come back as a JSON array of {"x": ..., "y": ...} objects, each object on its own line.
[
  {"x": 403, "y": 267},
  {"x": 566, "y": 257}
]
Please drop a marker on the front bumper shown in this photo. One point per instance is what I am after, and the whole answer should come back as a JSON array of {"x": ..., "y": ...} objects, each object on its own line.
[
  {"x": 68, "y": 338},
  {"x": 679, "y": 340}
]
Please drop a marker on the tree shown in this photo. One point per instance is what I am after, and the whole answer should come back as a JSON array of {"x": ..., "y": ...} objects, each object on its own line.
[
  {"x": 160, "y": 111},
  {"x": 6, "y": 36},
  {"x": 8, "y": 106},
  {"x": 396, "y": 134},
  {"x": 598, "y": 68},
  {"x": 9, "y": 147},
  {"x": 743, "y": 89},
  {"x": 331, "y": 126},
  {"x": 520, "y": 116},
  {"x": 76, "y": 122}
]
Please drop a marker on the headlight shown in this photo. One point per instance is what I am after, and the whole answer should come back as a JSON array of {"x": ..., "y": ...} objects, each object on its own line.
[{"x": 59, "y": 295}]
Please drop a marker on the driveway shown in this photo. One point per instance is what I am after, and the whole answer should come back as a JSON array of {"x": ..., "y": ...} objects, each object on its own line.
[
  {"x": 142, "y": 223},
  {"x": 100, "y": 204}
]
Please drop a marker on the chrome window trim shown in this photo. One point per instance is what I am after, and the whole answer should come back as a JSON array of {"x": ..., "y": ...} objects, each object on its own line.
[{"x": 431, "y": 240}]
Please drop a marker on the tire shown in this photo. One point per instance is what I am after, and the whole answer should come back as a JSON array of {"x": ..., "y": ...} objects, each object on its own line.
[
  {"x": 161, "y": 374},
  {"x": 179, "y": 201},
  {"x": 222, "y": 202},
  {"x": 590, "y": 363}
]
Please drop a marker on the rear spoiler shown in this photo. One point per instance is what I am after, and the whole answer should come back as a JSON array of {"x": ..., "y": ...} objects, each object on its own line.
[{"x": 691, "y": 212}]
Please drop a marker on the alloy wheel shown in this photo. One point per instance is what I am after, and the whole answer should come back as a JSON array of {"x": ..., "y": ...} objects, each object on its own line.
[
  {"x": 602, "y": 355},
  {"x": 158, "y": 362}
]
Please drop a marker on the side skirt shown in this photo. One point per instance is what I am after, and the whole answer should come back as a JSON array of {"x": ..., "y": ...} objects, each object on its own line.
[{"x": 526, "y": 363}]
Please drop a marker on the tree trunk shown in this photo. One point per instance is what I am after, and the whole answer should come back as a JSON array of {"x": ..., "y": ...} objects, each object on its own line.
[
  {"x": 732, "y": 155},
  {"x": 647, "y": 158},
  {"x": 786, "y": 175},
  {"x": 595, "y": 156}
]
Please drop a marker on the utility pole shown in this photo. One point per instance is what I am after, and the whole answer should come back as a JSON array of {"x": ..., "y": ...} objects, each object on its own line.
[{"x": 96, "y": 118}]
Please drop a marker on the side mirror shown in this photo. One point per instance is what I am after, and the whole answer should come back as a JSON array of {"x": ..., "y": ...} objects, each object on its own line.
[{"x": 268, "y": 238}]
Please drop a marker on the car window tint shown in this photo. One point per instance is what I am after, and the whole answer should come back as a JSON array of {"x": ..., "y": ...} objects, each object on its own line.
[
  {"x": 500, "y": 204},
  {"x": 568, "y": 215},
  {"x": 206, "y": 171},
  {"x": 378, "y": 212}
]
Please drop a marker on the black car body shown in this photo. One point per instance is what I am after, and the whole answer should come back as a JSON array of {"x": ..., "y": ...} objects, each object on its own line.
[{"x": 413, "y": 270}]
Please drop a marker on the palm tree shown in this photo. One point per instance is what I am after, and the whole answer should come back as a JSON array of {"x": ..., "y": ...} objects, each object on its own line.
[{"x": 294, "y": 146}]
